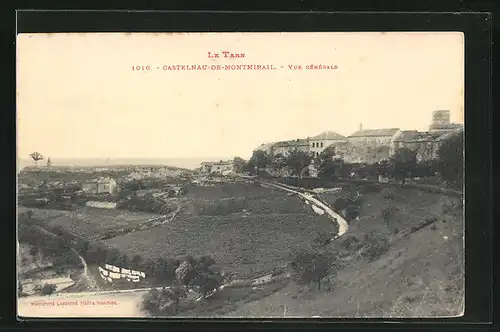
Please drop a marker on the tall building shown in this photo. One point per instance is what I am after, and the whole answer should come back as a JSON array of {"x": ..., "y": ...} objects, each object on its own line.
[{"x": 441, "y": 122}]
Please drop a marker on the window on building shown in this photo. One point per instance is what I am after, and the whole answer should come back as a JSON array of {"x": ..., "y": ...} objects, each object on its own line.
[
  {"x": 321, "y": 144},
  {"x": 314, "y": 145}
]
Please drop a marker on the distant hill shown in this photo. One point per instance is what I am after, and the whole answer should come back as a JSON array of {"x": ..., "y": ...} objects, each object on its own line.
[{"x": 173, "y": 163}]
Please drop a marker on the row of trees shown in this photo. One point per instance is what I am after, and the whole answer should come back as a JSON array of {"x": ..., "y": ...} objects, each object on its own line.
[{"x": 401, "y": 165}]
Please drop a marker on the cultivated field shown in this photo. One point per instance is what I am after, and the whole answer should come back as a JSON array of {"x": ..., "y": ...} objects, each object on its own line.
[
  {"x": 420, "y": 275},
  {"x": 255, "y": 237},
  {"x": 87, "y": 222}
]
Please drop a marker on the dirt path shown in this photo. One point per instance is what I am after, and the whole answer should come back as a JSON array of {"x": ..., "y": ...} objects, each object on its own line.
[
  {"x": 342, "y": 223},
  {"x": 85, "y": 280}
]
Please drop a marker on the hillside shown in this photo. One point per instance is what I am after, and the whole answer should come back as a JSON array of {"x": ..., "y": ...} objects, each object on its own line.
[{"x": 419, "y": 276}]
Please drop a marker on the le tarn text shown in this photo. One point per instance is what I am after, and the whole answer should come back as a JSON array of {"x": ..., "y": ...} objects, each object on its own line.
[{"x": 225, "y": 54}]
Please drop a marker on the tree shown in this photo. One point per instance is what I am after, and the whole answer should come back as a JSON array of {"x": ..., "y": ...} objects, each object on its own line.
[
  {"x": 403, "y": 163},
  {"x": 207, "y": 281},
  {"x": 310, "y": 265},
  {"x": 204, "y": 263},
  {"x": 48, "y": 289},
  {"x": 278, "y": 161},
  {"x": 185, "y": 273},
  {"x": 388, "y": 213},
  {"x": 260, "y": 160},
  {"x": 297, "y": 161},
  {"x": 164, "y": 302},
  {"x": 239, "y": 164},
  {"x": 450, "y": 159},
  {"x": 328, "y": 166},
  {"x": 383, "y": 167},
  {"x": 36, "y": 156}
]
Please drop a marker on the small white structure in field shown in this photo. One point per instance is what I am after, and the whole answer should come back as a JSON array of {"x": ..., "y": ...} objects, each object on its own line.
[{"x": 101, "y": 205}]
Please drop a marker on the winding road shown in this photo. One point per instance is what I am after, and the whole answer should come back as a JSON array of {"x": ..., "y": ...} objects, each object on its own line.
[
  {"x": 342, "y": 229},
  {"x": 342, "y": 223}
]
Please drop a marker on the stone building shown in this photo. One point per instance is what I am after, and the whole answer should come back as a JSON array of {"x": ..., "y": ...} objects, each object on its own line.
[
  {"x": 371, "y": 145},
  {"x": 222, "y": 167},
  {"x": 285, "y": 147},
  {"x": 424, "y": 143},
  {"x": 441, "y": 122},
  {"x": 100, "y": 186},
  {"x": 320, "y": 142}
]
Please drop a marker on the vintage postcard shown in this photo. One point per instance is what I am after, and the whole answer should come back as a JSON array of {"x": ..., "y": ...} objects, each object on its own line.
[{"x": 263, "y": 175}]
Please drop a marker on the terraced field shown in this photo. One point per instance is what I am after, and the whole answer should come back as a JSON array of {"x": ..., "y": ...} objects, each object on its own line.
[
  {"x": 255, "y": 237},
  {"x": 87, "y": 222}
]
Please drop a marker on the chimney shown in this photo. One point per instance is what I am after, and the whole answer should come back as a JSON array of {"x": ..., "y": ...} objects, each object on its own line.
[{"x": 360, "y": 126}]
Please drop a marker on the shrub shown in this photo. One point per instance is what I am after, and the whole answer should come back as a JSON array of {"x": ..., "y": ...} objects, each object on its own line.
[
  {"x": 374, "y": 246},
  {"x": 351, "y": 212},
  {"x": 48, "y": 289}
]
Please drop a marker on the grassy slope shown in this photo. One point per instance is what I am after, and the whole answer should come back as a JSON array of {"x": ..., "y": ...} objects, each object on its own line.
[{"x": 420, "y": 275}]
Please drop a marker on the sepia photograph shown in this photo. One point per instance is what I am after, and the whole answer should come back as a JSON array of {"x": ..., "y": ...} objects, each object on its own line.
[{"x": 240, "y": 175}]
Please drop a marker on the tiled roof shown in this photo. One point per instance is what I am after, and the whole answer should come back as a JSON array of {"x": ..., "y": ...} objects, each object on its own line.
[
  {"x": 328, "y": 135},
  {"x": 297, "y": 142},
  {"x": 375, "y": 132}
]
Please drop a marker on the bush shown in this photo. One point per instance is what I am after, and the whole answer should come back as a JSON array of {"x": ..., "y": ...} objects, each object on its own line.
[
  {"x": 48, "y": 289},
  {"x": 374, "y": 245},
  {"x": 351, "y": 212}
]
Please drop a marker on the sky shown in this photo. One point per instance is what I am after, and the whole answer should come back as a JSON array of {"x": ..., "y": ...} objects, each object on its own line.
[{"x": 78, "y": 97}]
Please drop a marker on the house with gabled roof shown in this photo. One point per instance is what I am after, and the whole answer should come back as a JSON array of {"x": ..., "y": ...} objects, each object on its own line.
[
  {"x": 319, "y": 143},
  {"x": 99, "y": 186}
]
